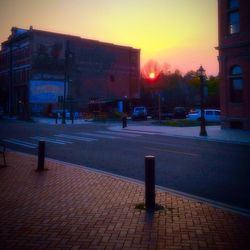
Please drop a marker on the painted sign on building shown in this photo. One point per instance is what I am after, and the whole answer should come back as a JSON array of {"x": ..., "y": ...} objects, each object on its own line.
[{"x": 42, "y": 91}]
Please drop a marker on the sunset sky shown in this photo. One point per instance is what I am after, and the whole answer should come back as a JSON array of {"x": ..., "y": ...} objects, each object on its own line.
[{"x": 181, "y": 33}]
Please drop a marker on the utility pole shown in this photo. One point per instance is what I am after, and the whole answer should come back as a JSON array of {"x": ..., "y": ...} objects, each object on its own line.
[
  {"x": 10, "y": 77},
  {"x": 65, "y": 81},
  {"x": 159, "y": 106}
]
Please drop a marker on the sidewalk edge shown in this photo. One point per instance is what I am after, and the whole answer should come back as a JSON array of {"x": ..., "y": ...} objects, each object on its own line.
[{"x": 213, "y": 203}]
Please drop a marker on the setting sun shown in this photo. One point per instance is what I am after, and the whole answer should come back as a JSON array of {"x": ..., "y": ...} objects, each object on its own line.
[{"x": 152, "y": 75}]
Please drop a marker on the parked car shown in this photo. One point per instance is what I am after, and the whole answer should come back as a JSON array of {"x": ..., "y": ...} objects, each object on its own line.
[
  {"x": 211, "y": 115},
  {"x": 178, "y": 113},
  {"x": 139, "y": 113}
]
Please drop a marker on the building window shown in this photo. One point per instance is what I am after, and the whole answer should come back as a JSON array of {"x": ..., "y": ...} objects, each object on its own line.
[
  {"x": 234, "y": 22},
  {"x": 236, "y": 84},
  {"x": 233, "y": 4},
  {"x": 233, "y": 17}
]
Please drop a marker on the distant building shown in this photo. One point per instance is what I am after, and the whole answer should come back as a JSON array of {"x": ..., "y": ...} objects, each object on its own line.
[
  {"x": 34, "y": 71},
  {"x": 234, "y": 61}
]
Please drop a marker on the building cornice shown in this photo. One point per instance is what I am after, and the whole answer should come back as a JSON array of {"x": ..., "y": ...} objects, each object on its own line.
[{"x": 235, "y": 45}]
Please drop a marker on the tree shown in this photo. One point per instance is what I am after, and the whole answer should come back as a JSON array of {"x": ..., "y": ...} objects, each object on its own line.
[
  {"x": 213, "y": 98},
  {"x": 175, "y": 89}
]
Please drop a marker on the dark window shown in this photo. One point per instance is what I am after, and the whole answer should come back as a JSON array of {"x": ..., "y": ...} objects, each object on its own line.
[
  {"x": 233, "y": 17},
  {"x": 234, "y": 22},
  {"x": 236, "y": 70},
  {"x": 236, "y": 85},
  {"x": 232, "y": 4}
]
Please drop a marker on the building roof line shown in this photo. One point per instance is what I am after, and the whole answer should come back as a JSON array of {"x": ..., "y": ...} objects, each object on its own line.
[{"x": 73, "y": 37}]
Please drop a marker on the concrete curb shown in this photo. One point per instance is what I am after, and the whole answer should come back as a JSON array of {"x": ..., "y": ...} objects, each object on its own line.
[
  {"x": 241, "y": 140},
  {"x": 213, "y": 203}
]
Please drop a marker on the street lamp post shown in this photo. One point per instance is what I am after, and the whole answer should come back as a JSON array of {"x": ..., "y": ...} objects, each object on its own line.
[
  {"x": 159, "y": 106},
  {"x": 10, "y": 103},
  {"x": 67, "y": 52},
  {"x": 152, "y": 79},
  {"x": 202, "y": 75}
]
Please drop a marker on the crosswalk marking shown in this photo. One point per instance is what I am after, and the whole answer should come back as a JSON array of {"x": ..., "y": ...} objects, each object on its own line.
[
  {"x": 118, "y": 133},
  {"x": 21, "y": 143},
  {"x": 78, "y": 138},
  {"x": 98, "y": 135},
  {"x": 63, "y": 139},
  {"x": 56, "y": 141},
  {"x": 138, "y": 132}
]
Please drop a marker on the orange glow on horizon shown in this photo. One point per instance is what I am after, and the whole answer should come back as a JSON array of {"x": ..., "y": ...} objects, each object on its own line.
[{"x": 180, "y": 33}]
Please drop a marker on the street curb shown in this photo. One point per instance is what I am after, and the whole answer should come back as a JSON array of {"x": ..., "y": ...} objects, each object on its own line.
[
  {"x": 205, "y": 138},
  {"x": 213, "y": 203}
]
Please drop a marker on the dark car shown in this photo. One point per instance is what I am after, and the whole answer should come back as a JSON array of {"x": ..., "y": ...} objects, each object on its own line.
[
  {"x": 139, "y": 113},
  {"x": 178, "y": 113}
]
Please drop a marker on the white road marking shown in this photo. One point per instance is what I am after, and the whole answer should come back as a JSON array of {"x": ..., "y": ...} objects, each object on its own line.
[
  {"x": 50, "y": 140},
  {"x": 137, "y": 132},
  {"x": 78, "y": 138},
  {"x": 21, "y": 143},
  {"x": 118, "y": 133},
  {"x": 98, "y": 135},
  {"x": 172, "y": 151}
]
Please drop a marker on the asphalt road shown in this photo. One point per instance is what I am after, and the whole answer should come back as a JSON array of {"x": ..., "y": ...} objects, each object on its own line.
[{"x": 217, "y": 171}]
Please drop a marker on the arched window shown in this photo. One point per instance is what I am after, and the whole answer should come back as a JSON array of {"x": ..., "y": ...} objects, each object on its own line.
[
  {"x": 236, "y": 70},
  {"x": 236, "y": 84},
  {"x": 233, "y": 16}
]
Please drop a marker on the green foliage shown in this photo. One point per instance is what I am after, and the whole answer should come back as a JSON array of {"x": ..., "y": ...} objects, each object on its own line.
[
  {"x": 105, "y": 117},
  {"x": 185, "y": 123},
  {"x": 178, "y": 90},
  {"x": 213, "y": 86}
]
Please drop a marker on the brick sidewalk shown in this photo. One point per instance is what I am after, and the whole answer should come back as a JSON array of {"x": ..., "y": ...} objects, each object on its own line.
[{"x": 72, "y": 208}]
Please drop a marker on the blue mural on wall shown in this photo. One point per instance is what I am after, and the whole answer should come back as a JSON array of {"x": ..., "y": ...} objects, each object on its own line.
[{"x": 41, "y": 91}]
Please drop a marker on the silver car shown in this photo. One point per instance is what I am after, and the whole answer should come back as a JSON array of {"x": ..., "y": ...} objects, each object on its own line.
[{"x": 211, "y": 115}]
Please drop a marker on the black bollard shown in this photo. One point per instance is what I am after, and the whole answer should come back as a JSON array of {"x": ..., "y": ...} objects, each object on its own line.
[
  {"x": 150, "y": 182},
  {"x": 56, "y": 118},
  {"x": 41, "y": 154},
  {"x": 124, "y": 122}
]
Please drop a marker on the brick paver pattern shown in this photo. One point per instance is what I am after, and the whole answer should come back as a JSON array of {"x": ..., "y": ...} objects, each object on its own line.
[{"x": 73, "y": 208}]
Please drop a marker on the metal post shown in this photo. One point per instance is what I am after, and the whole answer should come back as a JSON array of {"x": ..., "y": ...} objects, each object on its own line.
[
  {"x": 65, "y": 82},
  {"x": 10, "y": 78},
  {"x": 159, "y": 106},
  {"x": 72, "y": 117},
  {"x": 150, "y": 182},
  {"x": 41, "y": 154},
  {"x": 124, "y": 121},
  {"x": 203, "y": 131}
]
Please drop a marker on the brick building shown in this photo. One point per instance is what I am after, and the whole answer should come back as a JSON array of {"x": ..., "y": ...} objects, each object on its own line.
[
  {"x": 35, "y": 66},
  {"x": 234, "y": 62}
]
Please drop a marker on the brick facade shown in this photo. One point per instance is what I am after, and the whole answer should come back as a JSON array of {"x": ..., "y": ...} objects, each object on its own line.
[
  {"x": 95, "y": 70},
  {"x": 234, "y": 62}
]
